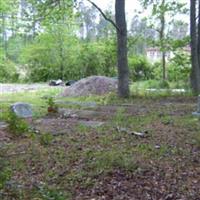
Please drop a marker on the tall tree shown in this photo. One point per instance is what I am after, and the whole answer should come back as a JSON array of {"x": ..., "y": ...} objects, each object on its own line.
[
  {"x": 5, "y": 11},
  {"x": 59, "y": 13},
  {"x": 122, "y": 61},
  {"x": 195, "y": 46}
]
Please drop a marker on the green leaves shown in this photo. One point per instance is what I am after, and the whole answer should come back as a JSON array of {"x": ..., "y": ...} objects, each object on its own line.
[
  {"x": 6, "y": 6},
  {"x": 17, "y": 126}
]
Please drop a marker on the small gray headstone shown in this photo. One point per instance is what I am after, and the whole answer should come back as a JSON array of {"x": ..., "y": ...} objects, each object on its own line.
[{"x": 23, "y": 110}]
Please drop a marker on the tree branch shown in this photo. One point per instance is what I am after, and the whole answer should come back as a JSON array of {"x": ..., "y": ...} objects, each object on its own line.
[{"x": 104, "y": 16}]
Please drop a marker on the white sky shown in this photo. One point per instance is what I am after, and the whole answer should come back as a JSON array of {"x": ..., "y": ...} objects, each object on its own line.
[{"x": 131, "y": 6}]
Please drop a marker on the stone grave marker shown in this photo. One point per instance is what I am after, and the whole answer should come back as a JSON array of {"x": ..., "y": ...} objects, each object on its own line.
[{"x": 23, "y": 110}]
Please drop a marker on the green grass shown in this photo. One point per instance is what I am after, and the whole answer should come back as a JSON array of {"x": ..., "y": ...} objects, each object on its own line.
[
  {"x": 196, "y": 139},
  {"x": 38, "y": 100},
  {"x": 140, "y": 88}
]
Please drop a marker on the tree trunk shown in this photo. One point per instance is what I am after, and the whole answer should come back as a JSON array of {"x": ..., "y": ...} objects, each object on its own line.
[
  {"x": 195, "y": 72},
  {"x": 198, "y": 50},
  {"x": 164, "y": 65},
  {"x": 4, "y": 35},
  {"x": 122, "y": 61},
  {"x": 162, "y": 37},
  {"x": 62, "y": 57}
]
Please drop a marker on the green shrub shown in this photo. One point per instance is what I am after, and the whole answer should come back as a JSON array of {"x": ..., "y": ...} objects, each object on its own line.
[
  {"x": 46, "y": 139},
  {"x": 140, "y": 68},
  {"x": 152, "y": 84},
  {"x": 17, "y": 126},
  {"x": 157, "y": 70},
  {"x": 161, "y": 84},
  {"x": 8, "y": 71},
  {"x": 164, "y": 84},
  {"x": 5, "y": 170},
  {"x": 52, "y": 107},
  {"x": 98, "y": 58},
  {"x": 179, "y": 67},
  {"x": 78, "y": 59}
]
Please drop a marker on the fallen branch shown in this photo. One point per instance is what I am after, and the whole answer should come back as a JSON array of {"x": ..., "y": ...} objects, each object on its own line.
[{"x": 138, "y": 134}]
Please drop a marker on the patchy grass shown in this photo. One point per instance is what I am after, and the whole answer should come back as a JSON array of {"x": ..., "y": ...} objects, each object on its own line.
[
  {"x": 38, "y": 99},
  {"x": 16, "y": 125},
  {"x": 103, "y": 162},
  {"x": 163, "y": 89}
]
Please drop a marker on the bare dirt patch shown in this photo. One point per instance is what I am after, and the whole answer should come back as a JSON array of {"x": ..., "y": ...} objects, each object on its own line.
[
  {"x": 14, "y": 88},
  {"x": 100, "y": 163}
]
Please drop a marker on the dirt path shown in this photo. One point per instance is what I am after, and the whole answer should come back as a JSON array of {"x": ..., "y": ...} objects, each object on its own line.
[{"x": 13, "y": 88}]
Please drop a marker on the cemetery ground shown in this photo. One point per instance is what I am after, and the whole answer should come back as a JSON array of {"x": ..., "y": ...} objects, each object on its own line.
[{"x": 146, "y": 147}]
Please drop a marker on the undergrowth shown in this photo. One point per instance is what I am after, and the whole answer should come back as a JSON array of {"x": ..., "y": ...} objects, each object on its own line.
[{"x": 16, "y": 125}]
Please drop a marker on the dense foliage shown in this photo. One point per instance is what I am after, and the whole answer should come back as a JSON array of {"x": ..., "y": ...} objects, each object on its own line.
[
  {"x": 8, "y": 70},
  {"x": 39, "y": 45},
  {"x": 78, "y": 58},
  {"x": 140, "y": 68}
]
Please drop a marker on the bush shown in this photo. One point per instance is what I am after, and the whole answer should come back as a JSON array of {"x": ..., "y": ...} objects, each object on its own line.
[
  {"x": 98, "y": 58},
  {"x": 5, "y": 170},
  {"x": 157, "y": 84},
  {"x": 17, "y": 126},
  {"x": 8, "y": 71},
  {"x": 74, "y": 59},
  {"x": 179, "y": 67},
  {"x": 164, "y": 84},
  {"x": 46, "y": 139},
  {"x": 140, "y": 68},
  {"x": 157, "y": 71}
]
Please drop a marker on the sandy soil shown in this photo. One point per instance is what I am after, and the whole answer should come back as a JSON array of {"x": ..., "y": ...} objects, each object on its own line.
[{"x": 13, "y": 88}]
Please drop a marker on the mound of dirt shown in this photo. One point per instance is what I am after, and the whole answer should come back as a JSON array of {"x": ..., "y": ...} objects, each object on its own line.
[{"x": 93, "y": 85}]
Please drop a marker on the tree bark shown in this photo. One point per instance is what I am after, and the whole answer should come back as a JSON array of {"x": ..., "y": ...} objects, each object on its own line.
[
  {"x": 198, "y": 49},
  {"x": 122, "y": 61},
  {"x": 162, "y": 37},
  {"x": 195, "y": 49},
  {"x": 4, "y": 35},
  {"x": 164, "y": 65}
]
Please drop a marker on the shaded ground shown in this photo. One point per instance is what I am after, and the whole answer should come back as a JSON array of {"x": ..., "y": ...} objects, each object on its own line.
[{"x": 82, "y": 162}]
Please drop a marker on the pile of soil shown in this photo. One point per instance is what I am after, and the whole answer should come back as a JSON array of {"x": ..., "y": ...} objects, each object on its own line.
[{"x": 93, "y": 85}]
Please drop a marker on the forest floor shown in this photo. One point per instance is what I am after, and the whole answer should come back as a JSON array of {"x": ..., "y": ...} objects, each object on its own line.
[{"x": 95, "y": 152}]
